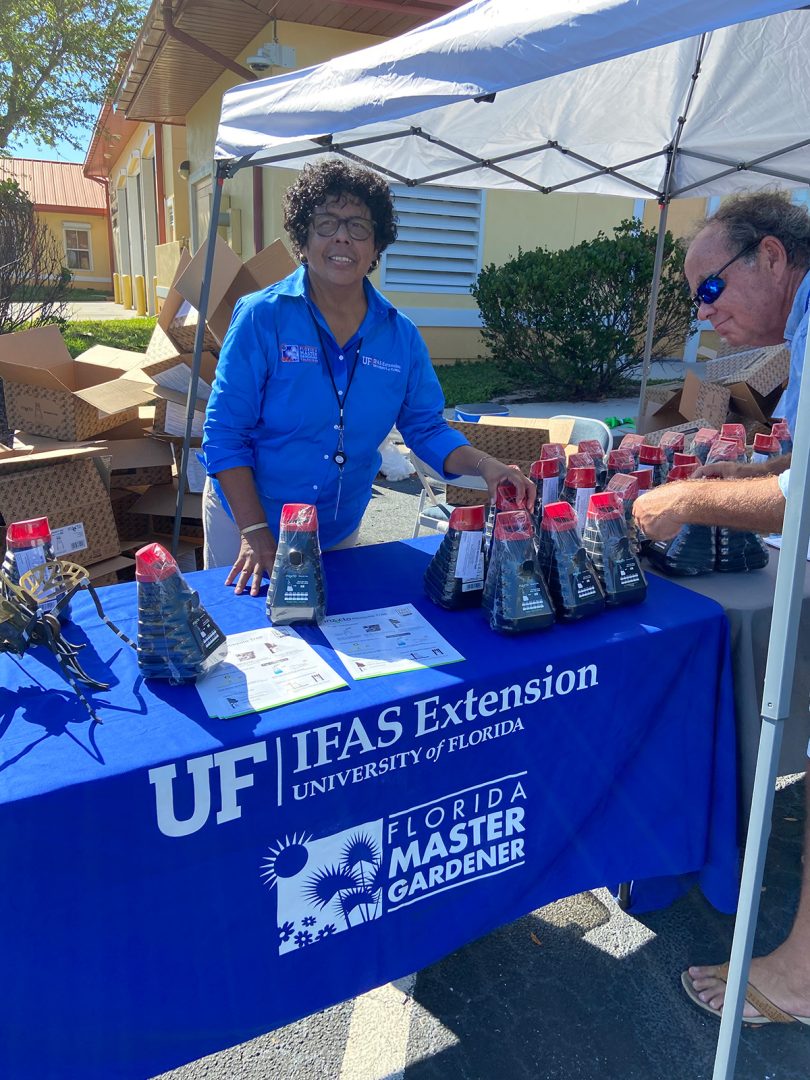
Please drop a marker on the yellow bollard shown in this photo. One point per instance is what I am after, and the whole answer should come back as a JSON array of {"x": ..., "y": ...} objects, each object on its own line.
[
  {"x": 140, "y": 295},
  {"x": 126, "y": 290},
  {"x": 117, "y": 288},
  {"x": 155, "y": 297}
]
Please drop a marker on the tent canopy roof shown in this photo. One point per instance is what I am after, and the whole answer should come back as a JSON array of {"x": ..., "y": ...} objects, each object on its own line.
[{"x": 489, "y": 96}]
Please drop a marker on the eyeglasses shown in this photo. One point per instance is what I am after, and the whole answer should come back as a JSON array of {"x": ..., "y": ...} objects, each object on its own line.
[
  {"x": 711, "y": 288},
  {"x": 358, "y": 228}
]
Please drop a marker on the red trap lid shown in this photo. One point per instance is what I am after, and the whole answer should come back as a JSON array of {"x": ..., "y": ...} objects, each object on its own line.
[
  {"x": 301, "y": 517},
  {"x": 154, "y": 563},
  {"x": 468, "y": 518},
  {"x": 32, "y": 531}
]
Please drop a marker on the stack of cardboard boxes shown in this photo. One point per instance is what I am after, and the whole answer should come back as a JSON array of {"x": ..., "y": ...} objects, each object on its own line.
[
  {"x": 97, "y": 439},
  {"x": 742, "y": 388}
]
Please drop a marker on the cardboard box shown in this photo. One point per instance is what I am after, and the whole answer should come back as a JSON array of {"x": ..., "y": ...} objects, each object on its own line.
[
  {"x": 176, "y": 327},
  {"x": 67, "y": 487},
  {"x": 689, "y": 429},
  {"x": 170, "y": 416},
  {"x": 231, "y": 279},
  {"x": 764, "y": 370},
  {"x": 48, "y": 393},
  {"x": 139, "y": 463},
  {"x": 175, "y": 374},
  {"x": 694, "y": 399},
  {"x": 160, "y": 503},
  {"x": 756, "y": 379}
]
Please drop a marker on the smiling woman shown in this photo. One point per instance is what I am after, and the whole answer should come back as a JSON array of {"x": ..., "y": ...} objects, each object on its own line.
[{"x": 313, "y": 374}]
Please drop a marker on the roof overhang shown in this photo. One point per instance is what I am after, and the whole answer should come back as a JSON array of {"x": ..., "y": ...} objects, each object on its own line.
[{"x": 164, "y": 78}]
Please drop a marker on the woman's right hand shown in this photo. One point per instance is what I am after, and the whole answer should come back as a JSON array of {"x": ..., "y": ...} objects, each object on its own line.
[{"x": 257, "y": 553}]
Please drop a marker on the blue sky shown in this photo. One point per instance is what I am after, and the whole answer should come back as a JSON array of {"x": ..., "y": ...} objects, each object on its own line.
[{"x": 26, "y": 148}]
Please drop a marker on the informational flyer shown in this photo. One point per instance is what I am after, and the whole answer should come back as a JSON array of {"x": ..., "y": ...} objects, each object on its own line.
[
  {"x": 265, "y": 668},
  {"x": 385, "y": 641}
]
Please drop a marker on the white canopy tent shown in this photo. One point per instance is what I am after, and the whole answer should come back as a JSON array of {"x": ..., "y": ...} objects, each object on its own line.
[{"x": 654, "y": 98}]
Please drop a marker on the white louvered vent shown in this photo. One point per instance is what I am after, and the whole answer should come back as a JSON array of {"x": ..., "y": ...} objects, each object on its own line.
[{"x": 438, "y": 247}]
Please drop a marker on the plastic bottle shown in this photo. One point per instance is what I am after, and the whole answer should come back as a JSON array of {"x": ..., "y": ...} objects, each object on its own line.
[
  {"x": 579, "y": 485},
  {"x": 734, "y": 431},
  {"x": 738, "y": 550},
  {"x": 626, "y": 487},
  {"x": 608, "y": 546},
  {"x": 632, "y": 442},
  {"x": 505, "y": 500},
  {"x": 766, "y": 447},
  {"x": 653, "y": 458},
  {"x": 297, "y": 592},
  {"x": 684, "y": 459},
  {"x": 177, "y": 638},
  {"x": 672, "y": 443},
  {"x": 516, "y": 597},
  {"x": 545, "y": 474},
  {"x": 454, "y": 577},
  {"x": 28, "y": 544},
  {"x": 572, "y": 581},
  {"x": 701, "y": 443},
  {"x": 618, "y": 462},
  {"x": 553, "y": 450},
  {"x": 593, "y": 448},
  {"x": 781, "y": 430}
]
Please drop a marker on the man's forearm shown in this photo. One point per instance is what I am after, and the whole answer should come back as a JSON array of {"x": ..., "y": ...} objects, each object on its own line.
[
  {"x": 756, "y": 505},
  {"x": 752, "y": 505}
]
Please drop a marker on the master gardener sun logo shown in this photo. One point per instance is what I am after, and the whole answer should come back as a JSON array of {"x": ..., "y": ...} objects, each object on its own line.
[{"x": 325, "y": 886}]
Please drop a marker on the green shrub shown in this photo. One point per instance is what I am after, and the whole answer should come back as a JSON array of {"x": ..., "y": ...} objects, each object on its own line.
[{"x": 571, "y": 324}]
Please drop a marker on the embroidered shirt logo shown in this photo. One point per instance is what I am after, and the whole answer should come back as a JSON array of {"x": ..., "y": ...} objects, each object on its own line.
[
  {"x": 381, "y": 365},
  {"x": 294, "y": 354}
]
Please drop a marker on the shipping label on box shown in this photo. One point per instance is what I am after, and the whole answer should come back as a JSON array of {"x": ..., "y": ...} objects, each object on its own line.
[{"x": 170, "y": 419}]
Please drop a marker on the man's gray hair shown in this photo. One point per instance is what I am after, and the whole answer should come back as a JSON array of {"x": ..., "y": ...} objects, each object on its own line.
[{"x": 749, "y": 217}]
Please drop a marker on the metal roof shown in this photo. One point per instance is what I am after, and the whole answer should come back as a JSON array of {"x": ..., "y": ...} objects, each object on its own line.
[
  {"x": 55, "y": 185},
  {"x": 163, "y": 78}
]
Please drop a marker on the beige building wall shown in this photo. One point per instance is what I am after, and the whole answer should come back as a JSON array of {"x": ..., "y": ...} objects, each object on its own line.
[{"x": 99, "y": 274}]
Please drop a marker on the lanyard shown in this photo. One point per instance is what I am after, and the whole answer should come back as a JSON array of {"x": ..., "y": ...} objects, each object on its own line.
[{"x": 339, "y": 457}]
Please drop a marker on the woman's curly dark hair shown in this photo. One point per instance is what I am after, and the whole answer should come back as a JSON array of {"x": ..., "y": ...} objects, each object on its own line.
[{"x": 329, "y": 179}]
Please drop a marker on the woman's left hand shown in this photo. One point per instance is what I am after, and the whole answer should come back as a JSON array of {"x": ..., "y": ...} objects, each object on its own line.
[{"x": 494, "y": 471}]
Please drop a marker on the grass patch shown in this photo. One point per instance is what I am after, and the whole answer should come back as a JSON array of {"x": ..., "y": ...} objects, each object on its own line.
[
  {"x": 132, "y": 334},
  {"x": 468, "y": 381}
]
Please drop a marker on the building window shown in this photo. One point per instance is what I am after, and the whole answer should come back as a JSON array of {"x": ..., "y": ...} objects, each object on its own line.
[
  {"x": 77, "y": 247},
  {"x": 439, "y": 240}
]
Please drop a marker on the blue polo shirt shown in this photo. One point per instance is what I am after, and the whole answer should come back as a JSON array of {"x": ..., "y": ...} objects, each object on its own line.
[
  {"x": 274, "y": 407},
  {"x": 796, "y": 336}
]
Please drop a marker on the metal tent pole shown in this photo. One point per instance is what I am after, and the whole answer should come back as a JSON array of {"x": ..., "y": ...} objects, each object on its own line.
[
  {"x": 656, "y": 284},
  {"x": 787, "y": 605},
  {"x": 223, "y": 171}
]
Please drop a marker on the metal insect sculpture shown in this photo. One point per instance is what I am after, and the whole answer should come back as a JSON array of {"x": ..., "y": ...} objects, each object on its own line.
[{"x": 29, "y": 616}]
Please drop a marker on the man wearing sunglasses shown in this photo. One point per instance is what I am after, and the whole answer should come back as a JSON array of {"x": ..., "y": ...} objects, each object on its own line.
[{"x": 747, "y": 268}]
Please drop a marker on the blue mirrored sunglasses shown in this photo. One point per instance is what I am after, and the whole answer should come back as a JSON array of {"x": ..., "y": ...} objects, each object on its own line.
[{"x": 711, "y": 287}]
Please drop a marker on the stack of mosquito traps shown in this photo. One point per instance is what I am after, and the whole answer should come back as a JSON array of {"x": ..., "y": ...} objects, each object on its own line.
[{"x": 454, "y": 577}]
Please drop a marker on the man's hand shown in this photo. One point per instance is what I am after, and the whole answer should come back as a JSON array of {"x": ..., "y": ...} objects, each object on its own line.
[
  {"x": 725, "y": 470},
  {"x": 659, "y": 512},
  {"x": 257, "y": 553}
]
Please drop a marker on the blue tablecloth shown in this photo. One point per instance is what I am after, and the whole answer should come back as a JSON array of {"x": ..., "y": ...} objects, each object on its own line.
[{"x": 172, "y": 885}]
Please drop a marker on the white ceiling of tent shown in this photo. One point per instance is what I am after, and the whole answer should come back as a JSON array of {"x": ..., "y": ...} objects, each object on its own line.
[{"x": 557, "y": 129}]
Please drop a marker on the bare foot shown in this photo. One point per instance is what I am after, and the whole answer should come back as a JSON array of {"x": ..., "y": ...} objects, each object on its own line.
[{"x": 778, "y": 976}]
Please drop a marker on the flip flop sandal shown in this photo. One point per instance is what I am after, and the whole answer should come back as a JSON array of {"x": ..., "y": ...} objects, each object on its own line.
[{"x": 770, "y": 1013}]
